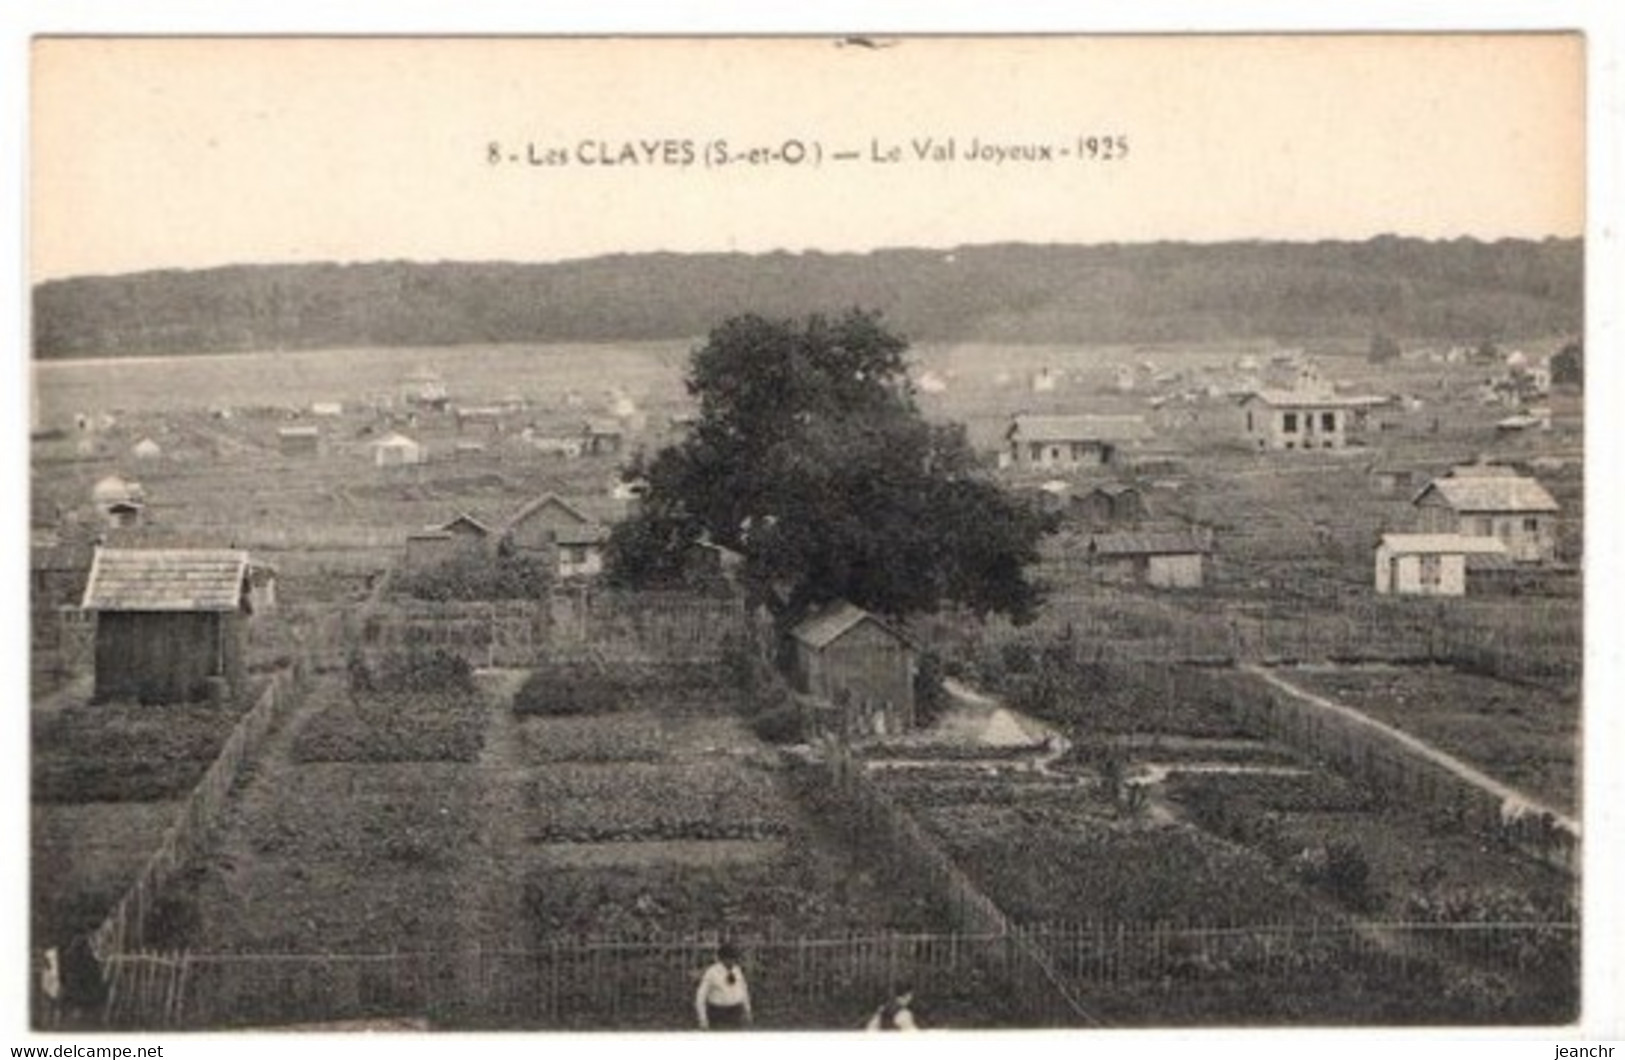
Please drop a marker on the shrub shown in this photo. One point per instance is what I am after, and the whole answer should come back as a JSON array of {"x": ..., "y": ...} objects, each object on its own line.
[
  {"x": 437, "y": 670},
  {"x": 780, "y": 724},
  {"x": 560, "y": 691},
  {"x": 930, "y": 698},
  {"x": 1348, "y": 875},
  {"x": 479, "y": 576}
]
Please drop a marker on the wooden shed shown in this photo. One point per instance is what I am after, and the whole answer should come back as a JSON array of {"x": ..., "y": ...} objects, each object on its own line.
[
  {"x": 849, "y": 657},
  {"x": 169, "y": 622},
  {"x": 304, "y": 440},
  {"x": 1163, "y": 560},
  {"x": 1516, "y": 511}
]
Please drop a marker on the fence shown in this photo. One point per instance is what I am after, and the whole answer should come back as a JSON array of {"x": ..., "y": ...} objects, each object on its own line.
[
  {"x": 1397, "y": 765},
  {"x": 570, "y": 625},
  {"x": 1505, "y": 638},
  {"x": 125, "y": 927},
  {"x": 644, "y": 983},
  {"x": 1041, "y": 995}
]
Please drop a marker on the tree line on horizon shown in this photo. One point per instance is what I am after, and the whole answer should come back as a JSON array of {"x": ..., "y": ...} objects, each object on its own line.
[{"x": 1462, "y": 290}]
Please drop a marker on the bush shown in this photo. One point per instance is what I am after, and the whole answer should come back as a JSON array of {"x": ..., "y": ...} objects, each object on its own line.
[
  {"x": 1348, "y": 875},
  {"x": 479, "y": 576},
  {"x": 432, "y": 671},
  {"x": 780, "y": 724},
  {"x": 930, "y": 698},
  {"x": 559, "y": 691}
]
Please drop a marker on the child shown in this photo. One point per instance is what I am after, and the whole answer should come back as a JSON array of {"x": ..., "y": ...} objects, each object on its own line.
[{"x": 723, "y": 1000}]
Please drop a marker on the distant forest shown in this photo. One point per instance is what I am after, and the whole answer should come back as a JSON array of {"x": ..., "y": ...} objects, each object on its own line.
[{"x": 1462, "y": 291}]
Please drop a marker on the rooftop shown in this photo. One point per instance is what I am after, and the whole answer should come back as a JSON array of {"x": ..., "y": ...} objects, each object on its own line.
[
  {"x": 166, "y": 580},
  {"x": 1150, "y": 543},
  {"x": 1497, "y": 493},
  {"x": 1080, "y": 428}
]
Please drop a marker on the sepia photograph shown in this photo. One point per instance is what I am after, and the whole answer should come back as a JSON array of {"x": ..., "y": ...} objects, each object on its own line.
[{"x": 807, "y": 533}]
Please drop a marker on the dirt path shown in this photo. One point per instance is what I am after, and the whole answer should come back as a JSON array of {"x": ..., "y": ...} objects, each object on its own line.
[
  {"x": 490, "y": 890},
  {"x": 1508, "y": 796}
]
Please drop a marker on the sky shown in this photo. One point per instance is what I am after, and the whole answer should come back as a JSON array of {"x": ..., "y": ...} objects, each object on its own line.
[{"x": 183, "y": 153}]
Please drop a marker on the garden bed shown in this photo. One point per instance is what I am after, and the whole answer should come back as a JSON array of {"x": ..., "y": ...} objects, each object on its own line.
[
  {"x": 394, "y": 727},
  {"x": 125, "y": 752},
  {"x": 698, "y": 799}
]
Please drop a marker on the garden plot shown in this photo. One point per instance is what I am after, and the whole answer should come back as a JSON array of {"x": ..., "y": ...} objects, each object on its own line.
[{"x": 1524, "y": 736}]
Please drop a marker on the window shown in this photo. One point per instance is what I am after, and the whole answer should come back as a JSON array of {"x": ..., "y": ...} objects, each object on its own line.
[
  {"x": 1249, "y": 421},
  {"x": 1037, "y": 451},
  {"x": 1054, "y": 453},
  {"x": 1531, "y": 525},
  {"x": 1289, "y": 422},
  {"x": 1328, "y": 421},
  {"x": 1430, "y": 572}
]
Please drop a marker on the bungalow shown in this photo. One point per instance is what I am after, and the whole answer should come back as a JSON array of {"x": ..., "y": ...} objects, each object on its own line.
[
  {"x": 1111, "y": 502},
  {"x": 298, "y": 441},
  {"x": 147, "y": 449},
  {"x": 849, "y": 657},
  {"x": 1516, "y": 511},
  {"x": 169, "y": 622},
  {"x": 1071, "y": 441},
  {"x": 1287, "y": 419},
  {"x": 1429, "y": 564},
  {"x": 327, "y": 408},
  {"x": 556, "y": 531},
  {"x": 1163, "y": 560},
  {"x": 397, "y": 450}
]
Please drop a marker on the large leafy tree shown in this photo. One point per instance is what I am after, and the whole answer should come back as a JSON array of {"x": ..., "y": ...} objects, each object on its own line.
[{"x": 811, "y": 459}]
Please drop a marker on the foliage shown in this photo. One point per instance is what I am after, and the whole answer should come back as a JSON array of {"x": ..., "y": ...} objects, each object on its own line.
[
  {"x": 1348, "y": 875},
  {"x": 812, "y": 461},
  {"x": 478, "y": 575},
  {"x": 637, "y": 801},
  {"x": 930, "y": 698},
  {"x": 431, "y": 671},
  {"x": 397, "y": 726},
  {"x": 560, "y": 691},
  {"x": 783, "y": 724},
  {"x": 1058, "y": 294},
  {"x": 1568, "y": 365},
  {"x": 125, "y": 752}
]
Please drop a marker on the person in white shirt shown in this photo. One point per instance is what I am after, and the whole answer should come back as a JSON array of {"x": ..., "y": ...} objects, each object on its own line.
[
  {"x": 896, "y": 1014},
  {"x": 723, "y": 1000}
]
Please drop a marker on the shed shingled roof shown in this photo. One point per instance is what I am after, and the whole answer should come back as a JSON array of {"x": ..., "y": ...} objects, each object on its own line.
[
  {"x": 834, "y": 621},
  {"x": 1155, "y": 543},
  {"x": 1499, "y": 493},
  {"x": 166, "y": 580},
  {"x": 1079, "y": 428},
  {"x": 1441, "y": 544}
]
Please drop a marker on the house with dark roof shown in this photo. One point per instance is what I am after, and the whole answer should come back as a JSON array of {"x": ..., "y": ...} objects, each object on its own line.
[
  {"x": 861, "y": 664},
  {"x": 1160, "y": 559},
  {"x": 558, "y": 532},
  {"x": 1514, "y": 510},
  {"x": 1072, "y": 441},
  {"x": 602, "y": 437},
  {"x": 302, "y": 440},
  {"x": 169, "y": 622}
]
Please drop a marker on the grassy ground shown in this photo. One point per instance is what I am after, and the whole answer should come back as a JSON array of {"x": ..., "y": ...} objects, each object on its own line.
[{"x": 1525, "y": 736}]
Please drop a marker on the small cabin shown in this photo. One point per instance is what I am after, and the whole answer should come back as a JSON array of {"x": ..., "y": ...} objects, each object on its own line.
[
  {"x": 1512, "y": 509},
  {"x": 1162, "y": 560},
  {"x": 169, "y": 623},
  {"x": 866, "y": 668},
  {"x": 1072, "y": 441},
  {"x": 298, "y": 441}
]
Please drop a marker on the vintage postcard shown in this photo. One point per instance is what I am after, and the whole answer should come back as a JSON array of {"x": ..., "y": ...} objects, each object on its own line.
[{"x": 807, "y": 533}]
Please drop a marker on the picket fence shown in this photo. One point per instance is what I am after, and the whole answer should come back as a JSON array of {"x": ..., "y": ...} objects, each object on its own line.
[
  {"x": 648, "y": 983},
  {"x": 126, "y": 925}
]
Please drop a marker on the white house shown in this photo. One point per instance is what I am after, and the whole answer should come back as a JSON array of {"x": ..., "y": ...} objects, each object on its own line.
[
  {"x": 1291, "y": 419},
  {"x": 397, "y": 450},
  {"x": 1429, "y": 564}
]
